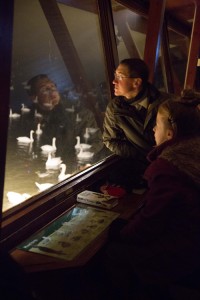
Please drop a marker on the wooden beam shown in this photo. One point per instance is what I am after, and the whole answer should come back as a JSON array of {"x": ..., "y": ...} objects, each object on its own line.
[
  {"x": 108, "y": 39},
  {"x": 124, "y": 32},
  {"x": 64, "y": 42},
  {"x": 172, "y": 83},
  {"x": 153, "y": 37},
  {"x": 165, "y": 60},
  {"x": 68, "y": 51},
  {"x": 193, "y": 50}
]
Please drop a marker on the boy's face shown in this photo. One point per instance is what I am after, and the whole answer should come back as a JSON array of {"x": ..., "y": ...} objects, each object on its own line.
[
  {"x": 162, "y": 132},
  {"x": 47, "y": 94},
  {"x": 124, "y": 85}
]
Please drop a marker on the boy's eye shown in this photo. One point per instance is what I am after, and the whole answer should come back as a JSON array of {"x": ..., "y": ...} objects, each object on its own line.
[{"x": 120, "y": 77}]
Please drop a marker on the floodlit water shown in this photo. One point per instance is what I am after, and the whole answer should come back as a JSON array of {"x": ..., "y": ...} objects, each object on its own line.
[{"x": 25, "y": 165}]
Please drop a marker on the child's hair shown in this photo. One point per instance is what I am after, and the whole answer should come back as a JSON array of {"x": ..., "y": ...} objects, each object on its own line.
[{"x": 182, "y": 117}]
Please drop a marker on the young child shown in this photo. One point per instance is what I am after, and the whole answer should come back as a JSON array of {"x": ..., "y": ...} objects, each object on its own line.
[{"x": 161, "y": 244}]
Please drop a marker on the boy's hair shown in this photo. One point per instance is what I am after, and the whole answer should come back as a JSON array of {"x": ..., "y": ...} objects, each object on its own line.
[
  {"x": 32, "y": 84},
  {"x": 137, "y": 68},
  {"x": 182, "y": 117}
]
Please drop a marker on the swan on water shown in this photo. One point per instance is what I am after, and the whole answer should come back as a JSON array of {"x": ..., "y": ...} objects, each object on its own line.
[
  {"x": 86, "y": 134},
  {"x": 83, "y": 145},
  {"x": 13, "y": 115},
  {"x": 38, "y": 130},
  {"x": 25, "y": 139},
  {"x": 43, "y": 186},
  {"x": 25, "y": 109},
  {"x": 78, "y": 119},
  {"x": 37, "y": 114},
  {"x": 53, "y": 162},
  {"x": 62, "y": 174},
  {"x": 42, "y": 175},
  {"x": 16, "y": 198},
  {"x": 50, "y": 148},
  {"x": 92, "y": 130},
  {"x": 70, "y": 109},
  {"x": 84, "y": 155}
]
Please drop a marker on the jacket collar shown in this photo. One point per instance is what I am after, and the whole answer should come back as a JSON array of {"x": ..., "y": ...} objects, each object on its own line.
[{"x": 157, "y": 150}]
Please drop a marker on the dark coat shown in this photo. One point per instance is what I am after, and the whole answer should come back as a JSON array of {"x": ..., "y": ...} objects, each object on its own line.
[
  {"x": 126, "y": 132},
  {"x": 164, "y": 237}
]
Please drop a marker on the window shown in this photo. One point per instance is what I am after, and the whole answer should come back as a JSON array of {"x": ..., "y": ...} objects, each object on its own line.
[
  {"x": 58, "y": 92},
  {"x": 130, "y": 31}
]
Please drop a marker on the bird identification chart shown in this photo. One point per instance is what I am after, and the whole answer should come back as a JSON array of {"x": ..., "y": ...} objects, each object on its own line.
[{"x": 66, "y": 237}]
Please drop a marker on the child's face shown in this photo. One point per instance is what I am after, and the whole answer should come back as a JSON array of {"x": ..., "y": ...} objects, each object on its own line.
[{"x": 162, "y": 132}]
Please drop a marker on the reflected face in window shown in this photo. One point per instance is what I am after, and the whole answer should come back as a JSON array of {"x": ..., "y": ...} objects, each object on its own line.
[{"x": 47, "y": 94}]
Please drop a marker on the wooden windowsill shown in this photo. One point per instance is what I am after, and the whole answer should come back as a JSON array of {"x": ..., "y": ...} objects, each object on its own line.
[{"x": 33, "y": 262}]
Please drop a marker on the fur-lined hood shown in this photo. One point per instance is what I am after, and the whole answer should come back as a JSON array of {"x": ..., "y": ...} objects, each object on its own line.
[{"x": 185, "y": 155}]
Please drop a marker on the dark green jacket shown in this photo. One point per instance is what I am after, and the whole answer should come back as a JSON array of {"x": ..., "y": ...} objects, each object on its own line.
[{"x": 126, "y": 133}]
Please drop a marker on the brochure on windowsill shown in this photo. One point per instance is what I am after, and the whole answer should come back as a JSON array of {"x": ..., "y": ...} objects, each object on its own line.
[
  {"x": 97, "y": 199},
  {"x": 71, "y": 233}
]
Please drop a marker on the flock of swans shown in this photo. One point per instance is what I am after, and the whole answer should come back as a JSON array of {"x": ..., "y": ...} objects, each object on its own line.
[
  {"x": 24, "y": 109},
  {"x": 52, "y": 163}
]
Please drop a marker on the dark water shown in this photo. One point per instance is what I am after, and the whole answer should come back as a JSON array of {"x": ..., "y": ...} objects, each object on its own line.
[{"x": 25, "y": 165}]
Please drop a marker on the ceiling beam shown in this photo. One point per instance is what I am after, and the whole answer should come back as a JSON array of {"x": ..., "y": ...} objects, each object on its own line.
[
  {"x": 153, "y": 37},
  {"x": 193, "y": 50}
]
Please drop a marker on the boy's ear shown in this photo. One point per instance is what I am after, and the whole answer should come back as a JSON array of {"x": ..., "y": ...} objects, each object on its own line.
[
  {"x": 170, "y": 134},
  {"x": 137, "y": 82}
]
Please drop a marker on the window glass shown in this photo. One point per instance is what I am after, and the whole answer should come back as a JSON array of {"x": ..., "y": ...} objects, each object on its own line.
[
  {"x": 178, "y": 47},
  {"x": 180, "y": 38},
  {"x": 130, "y": 31},
  {"x": 58, "y": 94}
]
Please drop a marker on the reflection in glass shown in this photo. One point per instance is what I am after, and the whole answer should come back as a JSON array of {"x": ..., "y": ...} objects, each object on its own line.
[
  {"x": 179, "y": 47},
  {"x": 56, "y": 108},
  {"x": 130, "y": 31}
]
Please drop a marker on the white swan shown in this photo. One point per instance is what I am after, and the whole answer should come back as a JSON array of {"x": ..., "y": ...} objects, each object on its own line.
[
  {"x": 37, "y": 114},
  {"x": 62, "y": 174},
  {"x": 78, "y": 119},
  {"x": 43, "y": 186},
  {"x": 84, "y": 155},
  {"x": 92, "y": 130},
  {"x": 25, "y": 139},
  {"x": 72, "y": 109},
  {"x": 42, "y": 175},
  {"x": 13, "y": 115},
  {"x": 49, "y": 148},
  {"x": 79, "y": 144},
  {"x": 38, "y": 130},
  {"x": 25, "y": 109},
  {"x": 86, "y": 135},
  {"x": 16, "y": 198},
  {"x": 53, "y": 162},
  {"x": 35, "y": 100}
]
